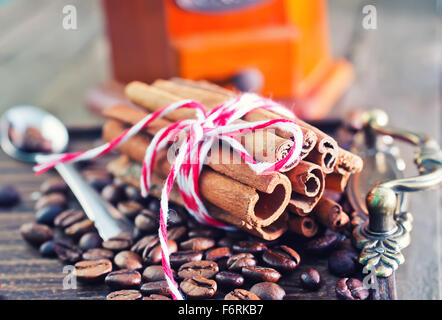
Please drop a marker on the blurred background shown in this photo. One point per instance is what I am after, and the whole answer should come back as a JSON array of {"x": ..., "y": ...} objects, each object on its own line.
[{"x": 396, "y": 67}]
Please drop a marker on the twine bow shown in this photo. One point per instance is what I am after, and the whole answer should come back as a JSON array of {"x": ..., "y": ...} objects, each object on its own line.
[{"x": 199, "y": 136}]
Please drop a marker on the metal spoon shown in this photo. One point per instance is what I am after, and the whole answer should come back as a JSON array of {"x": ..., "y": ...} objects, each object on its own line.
[{"x": 52, "y": 130}]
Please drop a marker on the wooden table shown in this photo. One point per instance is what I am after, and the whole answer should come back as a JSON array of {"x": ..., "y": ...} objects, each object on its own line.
[{"x": 397, "y": 69}]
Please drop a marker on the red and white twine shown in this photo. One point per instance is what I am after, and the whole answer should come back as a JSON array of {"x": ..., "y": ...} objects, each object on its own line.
[{"x": 200, "y": 134}]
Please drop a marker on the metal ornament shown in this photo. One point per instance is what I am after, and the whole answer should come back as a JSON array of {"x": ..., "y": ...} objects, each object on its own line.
[{"x": 387, "y": 231}]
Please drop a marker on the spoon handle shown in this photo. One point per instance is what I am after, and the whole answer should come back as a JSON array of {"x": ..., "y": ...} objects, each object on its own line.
[{"x": 93, "y": 205}]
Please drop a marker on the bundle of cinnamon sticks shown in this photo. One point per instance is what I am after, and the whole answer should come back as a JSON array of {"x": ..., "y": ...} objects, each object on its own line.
[{"x": 265, "y": 205}]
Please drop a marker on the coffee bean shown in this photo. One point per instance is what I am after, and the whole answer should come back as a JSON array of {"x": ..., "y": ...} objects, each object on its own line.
[
  {"x": 204, "y": 268},
  {"x": 128, "y": 260},
  {"x": 282, "y": 257},
  {"x": 118, "y": 243},
  {"x": 218, "y": 253},
  {"x": 323, "y": 244},
  {"x": 156, "y": 287},
  {"x": 240, "y": 260},
  {"x": 206, "y": 232},
  {"x": 258, "y": 273},
  {"x": 229, "y": 279},
  {"x": 175, "y": 218},
  {"x": 343, "y": 263},
  {"x": 153, "y": 204},
  {"x": 9, "y": 196},
  {"x": 98, "y": 179},
  {"x": 241, "y": 294},
  {"x": 97, "y": 254},
  {"x": 146, "y": 221},
  {"x": 249, "y": 246},
  {"x": 137, "y": 234},
  {"x": 113, "y": 193},
  {"x": 47, "y": 249},
  {"x": 123, "y": 279},
  {"x": 351, "y": 289},
  {"x": 47, "y": 215},
  {"x": 156, "y": 297},
  {"x": 124, "y": 295},
  {"x": 154, "y": 256},
  {"x": 67, "y": 252},
  {"x": 90, "y": 240},
  {"x": 36, "y": 233},
  {"x": 153, "y": 273},
  {"x": 129, "y": 209},
  {"x": 198, "y": 287},
  {"x": 55, "y": 184},
  {"x": 133, "y": 193},
  {"x": 181, "y": 257},
  {"x": 146, "y": 242},
  {"x": 310, "y": 279},
  {"x": 55, "y": 199},
  {"x": 268, "y": 291},
  {"x": 92, "y": 270},
  {"x": 79, "y": 228},
  {"x": 68, "y": 218},
  {"x": 198, "y": 244},
  {"x": 177, "y": 233}
]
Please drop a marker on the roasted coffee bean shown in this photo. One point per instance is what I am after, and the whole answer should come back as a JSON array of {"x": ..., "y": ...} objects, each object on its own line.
[
  {"x": 218, "y": 253},
  {"x": 53, "y": 199},
  {"x": 123, "y": 279},
  {"x": 155, "y": 256},
  {"x": 249, "y": 246},
  {"x": 80, "y": 228},
  {"x": 156, "y": 297},
  {"x": 345, "y": 244},
  {"x": 282, "y": 257},
  {"x": 153, "y": 273},
  {"x": 258, "y": 273},
  {"x": 177, "y": 233},
  {"x": 204, "y": 268},
  {"x": 118, "y": 243},
  {"x": 47, "y": 249},
  {"x": 113, "y": 193},
  {"x": 310, "y": 279},
  {"x": 268, "y": 291},
  {"x": 36, "y": 233},
  {"x": 198, "y": 287},
  {"x": 97, "y": 254},
  {"x": 351, "y": 289},
  {"x": 175, "y": 218},
  {"x": 137, "y": 234},
  {"x": 343, "y": 263},
  {"x": 90, "y": 240},
  {"x": 145, "y": 243},
  {"x": 55, "y": 184},
  {"x": 98, "y": 179},
  {"x": 129, "y": 209},
  {"x": 153, "y": 204},
  {"x": 128, "y": 260},
  {"x": 67, "y": 252},
  {"x": 323, "y": 244},
  {"x": 229, "y": 279},
  {"x": 47, "y": 215},
  {"x": 198, "y": 244},
  {"x": 226, "y": 242},
  {"x": 133, "y": 193},
  {"x": 9, "y": 196},
  {"x": 241, "y": 294},
  {"x": 181, "y": 257},
  {"x": 147, "y": 221},
  {"x": 206, "y": 232},
  {"x": 156, "y": 287},
  {"x": 240, "y": 260},
  {"x": 68, "y": 218},
  {"x": 125, "y": 295},
  {"x": 92, "y": 270}
]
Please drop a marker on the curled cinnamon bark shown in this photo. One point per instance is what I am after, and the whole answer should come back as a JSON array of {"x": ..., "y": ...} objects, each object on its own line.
[
  {"x": 347, "y": 164},
  {"x": 330, "y": 214},
  {"x": 246, "y": 203},
  {"x": 304, "y": 226}
]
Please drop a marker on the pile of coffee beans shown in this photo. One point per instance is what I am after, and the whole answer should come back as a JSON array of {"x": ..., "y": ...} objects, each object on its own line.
[{"x": 207, "y": 263}]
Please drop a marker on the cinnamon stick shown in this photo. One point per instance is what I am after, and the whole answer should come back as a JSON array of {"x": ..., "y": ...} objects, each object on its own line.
[
  {"x": 242, "y": 201},
  {"x": 151, "y": 98},
  {"x": 347, "y": 164},
  {"x": 330, "y": 214},
  {"x": 304, "y": 226}
]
